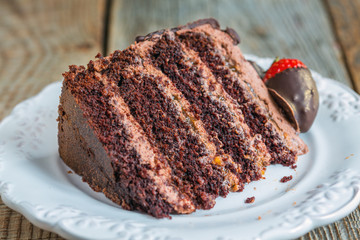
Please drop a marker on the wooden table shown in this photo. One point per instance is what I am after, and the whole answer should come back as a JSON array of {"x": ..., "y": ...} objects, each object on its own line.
[{"x": 39, "y": 39}]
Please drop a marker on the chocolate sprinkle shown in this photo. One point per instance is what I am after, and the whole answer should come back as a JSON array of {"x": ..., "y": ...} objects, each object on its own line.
[
  {"x": 233, "y": 34},
  {"x": 139, "y": 38},
  {"x": 213, "y": 22}
]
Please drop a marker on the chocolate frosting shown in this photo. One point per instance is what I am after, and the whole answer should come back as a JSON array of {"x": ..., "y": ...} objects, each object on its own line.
[
  {"x": 211, "y": 21},
  {"x": 295, "y": 91}
]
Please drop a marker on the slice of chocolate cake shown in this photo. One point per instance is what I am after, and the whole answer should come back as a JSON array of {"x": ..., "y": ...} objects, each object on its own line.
[{"x": 172, "y": 122}]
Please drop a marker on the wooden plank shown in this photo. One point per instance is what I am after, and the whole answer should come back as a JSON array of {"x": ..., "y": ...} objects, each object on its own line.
[
  {"x": 345, "y": 15},
  {"x": 287, "y": 28},
  {"x": 14, "y": 226},
  {"x": 39, "y": 39}
]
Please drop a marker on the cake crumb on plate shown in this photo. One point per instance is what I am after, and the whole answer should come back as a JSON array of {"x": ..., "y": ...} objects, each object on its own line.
[
  {"x": 250, "y": 199},
  {"x": 286, "y": 179}
]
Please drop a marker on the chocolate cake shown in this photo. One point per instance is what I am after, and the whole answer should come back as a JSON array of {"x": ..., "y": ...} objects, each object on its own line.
[{"x": 173, "y": 121}]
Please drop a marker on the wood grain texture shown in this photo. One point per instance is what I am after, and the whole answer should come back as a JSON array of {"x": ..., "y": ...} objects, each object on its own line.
[
  {"x": 14, "y": 226},
  {"x": 345, "y": 15},
  {"x": 288, "y": 28},
  {"x": 38, "y": 40}
]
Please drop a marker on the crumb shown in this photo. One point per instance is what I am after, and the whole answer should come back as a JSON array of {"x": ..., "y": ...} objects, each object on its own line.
[
  {"x": 349, "y": 156},
  {"x": 69, "y": 172},
  {"x": 259, "y": 218},
  {"x": 286, "y": 179},
  {"x": 250, "y": 199},
  {"x": 294, "y": 203},
  {"x": 254, "y": 188},
  {"x": 293, "y": 166}
]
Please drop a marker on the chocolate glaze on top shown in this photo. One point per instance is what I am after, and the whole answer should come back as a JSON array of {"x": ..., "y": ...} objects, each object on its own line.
[
  {"x": 211, "y": 21},
  {"x": 297, "y": 88}
]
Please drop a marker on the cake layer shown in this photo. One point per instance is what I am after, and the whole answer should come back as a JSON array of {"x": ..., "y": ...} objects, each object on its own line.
[
  {"x": 212, "y": 105},
  {"x": 137, "y": 177},
  {"x": 172, "y": 122},
  {"x": 242, "y": 83},
  {"x": 188, "y": 156}
]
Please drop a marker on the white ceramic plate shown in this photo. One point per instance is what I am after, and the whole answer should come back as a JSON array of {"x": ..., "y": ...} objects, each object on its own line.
[{"x": 325, "y": 186}]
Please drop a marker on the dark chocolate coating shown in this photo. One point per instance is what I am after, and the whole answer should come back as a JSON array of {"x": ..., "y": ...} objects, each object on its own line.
[{"x": 297, "y": 87}]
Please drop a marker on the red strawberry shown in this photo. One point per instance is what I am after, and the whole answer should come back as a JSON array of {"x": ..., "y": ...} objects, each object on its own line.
[{"x": 280, "y": 65}]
